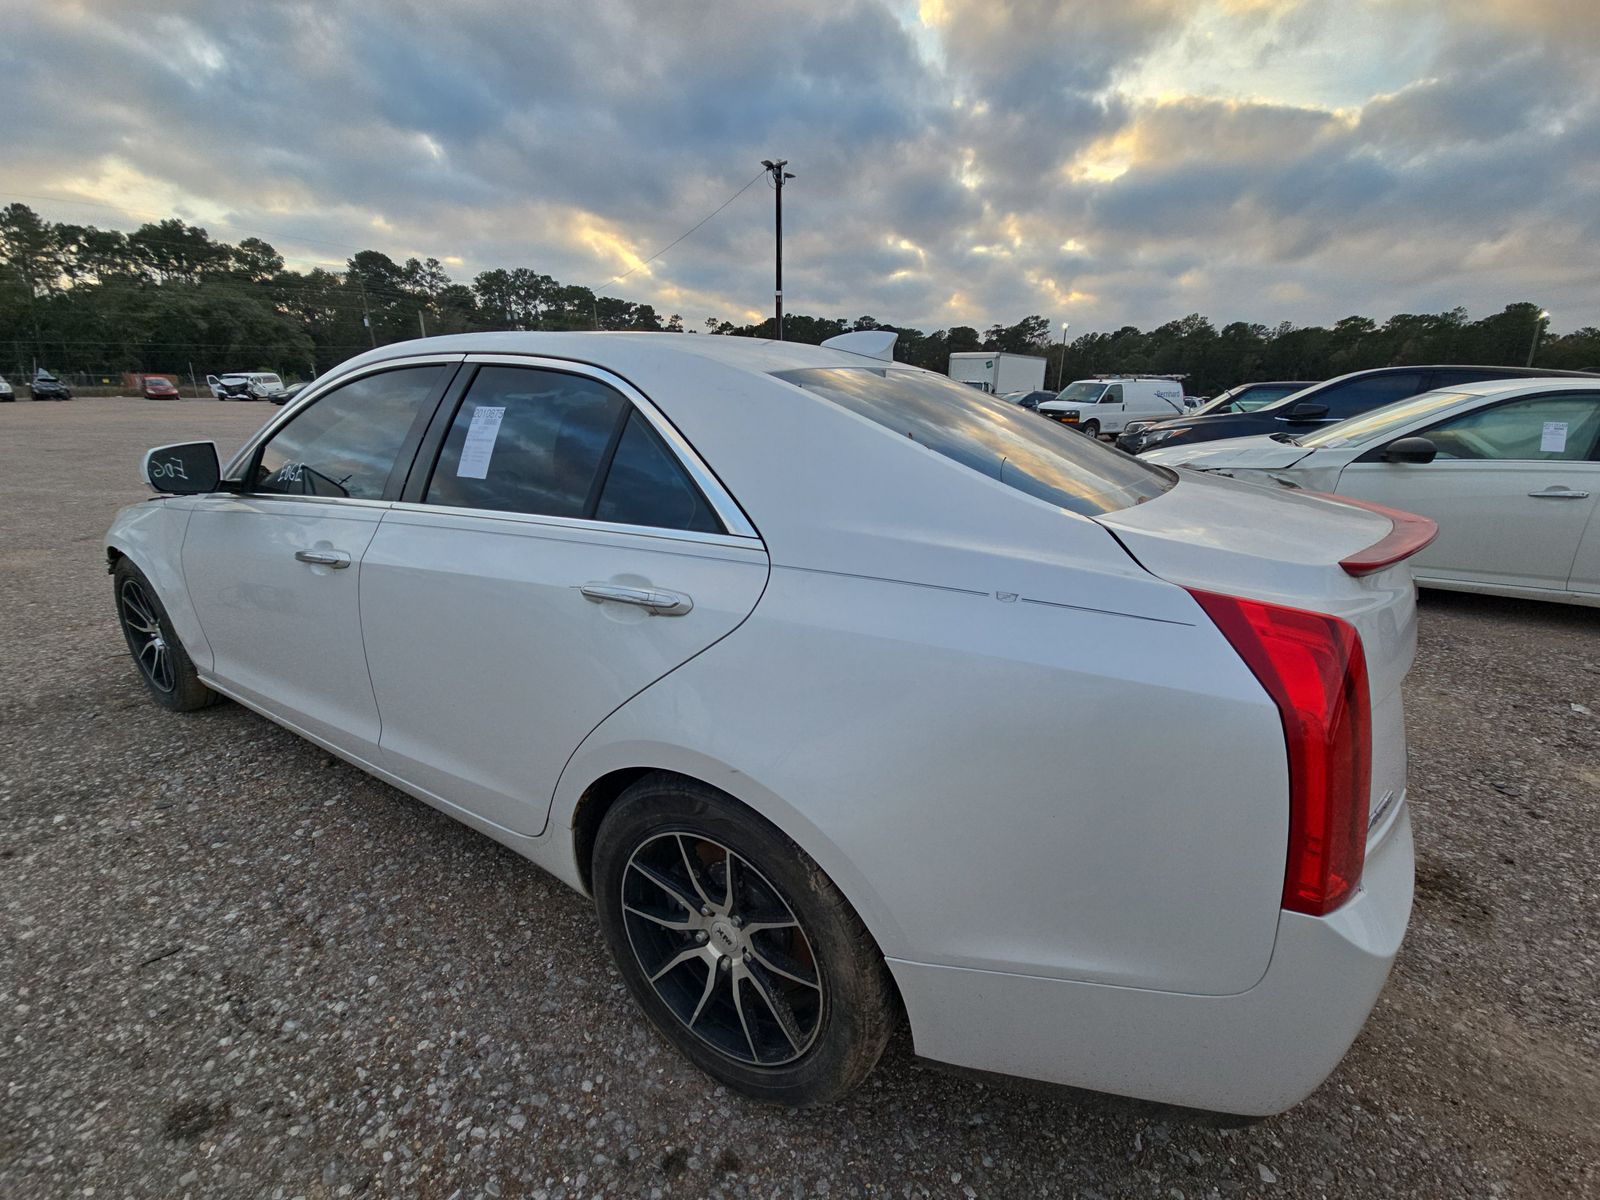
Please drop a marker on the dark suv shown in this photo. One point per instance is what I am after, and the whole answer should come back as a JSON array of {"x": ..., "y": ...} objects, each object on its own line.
[{"x": 1321, "y": 404}]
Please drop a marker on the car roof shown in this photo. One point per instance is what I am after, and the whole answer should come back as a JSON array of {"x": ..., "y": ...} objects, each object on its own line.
[
  {"x": 1542, "y": 383},
  {"x": 617, "y": 351}
]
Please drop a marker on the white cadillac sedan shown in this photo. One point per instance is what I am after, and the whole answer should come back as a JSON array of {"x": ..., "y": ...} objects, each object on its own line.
[
  {"x": 731, "y": 635},
  {"x": 1508, "y": 468}
]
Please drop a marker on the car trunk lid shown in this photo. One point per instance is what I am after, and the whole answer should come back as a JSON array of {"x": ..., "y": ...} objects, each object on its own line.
[{"x": 1290, "y": 548}]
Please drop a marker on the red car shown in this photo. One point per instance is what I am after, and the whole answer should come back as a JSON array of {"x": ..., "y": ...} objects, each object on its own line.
[{"x": 157, "y": 388}]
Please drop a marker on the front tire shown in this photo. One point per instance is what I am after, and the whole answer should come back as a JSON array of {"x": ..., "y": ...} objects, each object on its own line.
[
  {"x": 164, "y": 665},
  {"x": 1092, "y": 428},
  {"x": 737, "y": 946}
]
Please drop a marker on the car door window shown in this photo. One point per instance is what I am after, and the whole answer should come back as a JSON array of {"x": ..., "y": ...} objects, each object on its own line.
[
  {"x": 552, "y": 444},
  {"x": 1557, "y": 428},
  {"x": 1357, "y": 396},
  {"x": 346, "y": 443},
  {"x": 648, "y": 486},
  {"x": 528, "y": 441},
  {"x": 1113, "y": 394}
]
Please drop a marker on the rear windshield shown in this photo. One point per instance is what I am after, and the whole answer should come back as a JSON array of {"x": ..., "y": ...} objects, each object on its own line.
[{"x": 1001, "y": 440}]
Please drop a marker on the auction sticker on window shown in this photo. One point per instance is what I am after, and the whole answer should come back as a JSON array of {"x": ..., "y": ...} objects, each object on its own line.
[
  {"x": 481, "y": 435},
  {"x": 1554, "y": 439}
]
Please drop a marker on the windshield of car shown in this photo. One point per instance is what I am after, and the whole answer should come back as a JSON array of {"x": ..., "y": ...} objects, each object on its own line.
[
  {"x": 988, "y": 435},
  {"x": 1380, "y": 422},
  {"x": 1084, "y": 391}
]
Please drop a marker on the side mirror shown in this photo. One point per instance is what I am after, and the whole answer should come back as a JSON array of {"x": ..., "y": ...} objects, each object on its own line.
[
  {"x": 1410, "y": 450},
  {"x": 1306, "y": 410},
  {"x": 187, "y": 469}
]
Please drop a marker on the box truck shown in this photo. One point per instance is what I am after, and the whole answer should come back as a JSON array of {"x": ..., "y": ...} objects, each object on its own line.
[{"x": 998, "y": 373}]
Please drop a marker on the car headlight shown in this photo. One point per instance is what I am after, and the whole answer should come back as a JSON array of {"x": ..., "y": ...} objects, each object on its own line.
[{"x": 1154, "y": 437}]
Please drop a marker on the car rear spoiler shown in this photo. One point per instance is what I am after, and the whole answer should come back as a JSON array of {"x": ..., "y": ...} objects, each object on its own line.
[{"x": 1408, "y": 534}]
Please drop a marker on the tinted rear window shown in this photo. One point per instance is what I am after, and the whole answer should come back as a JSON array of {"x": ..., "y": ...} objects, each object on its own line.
[{"x": 1020, "y": 449}]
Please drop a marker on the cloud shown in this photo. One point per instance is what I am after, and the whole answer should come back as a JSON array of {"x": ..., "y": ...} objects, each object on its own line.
[{"x": 958, "y": 161}]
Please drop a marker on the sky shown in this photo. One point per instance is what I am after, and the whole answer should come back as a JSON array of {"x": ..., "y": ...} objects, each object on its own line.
[{"x": 957, "y": 162}]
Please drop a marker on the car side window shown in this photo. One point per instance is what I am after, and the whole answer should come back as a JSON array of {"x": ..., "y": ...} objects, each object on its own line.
[
  {"x": 647, "y": 485},
  {"x": 1113, "y": 394},
  {"x": 1563, "y": 427},
  {"x": 345, "y": 444},
  {"x": 528, "y": 441},
  {"x": 546, "y": 443},
  {"x": 1357, "y": 396}
]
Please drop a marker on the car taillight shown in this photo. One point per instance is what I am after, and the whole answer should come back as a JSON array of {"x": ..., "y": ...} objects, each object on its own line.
[{"x": 1313, "y": 667}]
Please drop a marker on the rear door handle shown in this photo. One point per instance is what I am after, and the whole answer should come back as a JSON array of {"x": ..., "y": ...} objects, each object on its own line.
[
  {"x": 337, "y": 559},
  {"x": 660, "y": 603},
  {"x": 1559, "y": 494}
]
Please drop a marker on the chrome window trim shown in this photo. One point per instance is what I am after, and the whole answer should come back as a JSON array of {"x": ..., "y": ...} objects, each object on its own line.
[
  {"x": 579, "y": 525},
  {"x": 321, "y": 387},
  {"x": 727, "y": 509}
]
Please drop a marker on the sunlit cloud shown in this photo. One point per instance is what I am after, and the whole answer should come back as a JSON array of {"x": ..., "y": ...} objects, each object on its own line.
[{"x": 958, "y": 161}]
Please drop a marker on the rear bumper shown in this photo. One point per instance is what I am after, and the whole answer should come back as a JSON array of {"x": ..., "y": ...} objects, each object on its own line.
[{"x": 1255, "y": 1053}]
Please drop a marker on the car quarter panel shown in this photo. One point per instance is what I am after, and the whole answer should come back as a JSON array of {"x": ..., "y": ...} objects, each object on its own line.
[{"x": 989, "y": 780}]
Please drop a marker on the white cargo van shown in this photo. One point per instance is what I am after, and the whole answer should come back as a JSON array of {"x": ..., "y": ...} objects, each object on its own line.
[{"x": 1097, "y": 406}]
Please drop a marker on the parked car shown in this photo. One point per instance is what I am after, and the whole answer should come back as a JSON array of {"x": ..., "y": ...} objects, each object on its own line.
[
  {"x": 46, "y": 386},
  {"x": 1097, "y": 406},
  {"x": 729, "y": 635},
  {"x": 245, "y": 385},
  {"x": 1247, "y": 397},
  {"x": 1028, "y": 400},
  {"x": 154, "y": 387},
  {"x": 1509, "y": 469},
  {"x": 287, "y": 394},
  {"x": 6, "y": 392},
  {"x": 1321, "y": 404}
]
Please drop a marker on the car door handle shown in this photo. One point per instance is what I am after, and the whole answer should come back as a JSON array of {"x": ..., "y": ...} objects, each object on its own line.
[
  {"x": 661, "y": 604},
  {"x": 1559, "y": 494},
  {"x": 337, "y": 559}
]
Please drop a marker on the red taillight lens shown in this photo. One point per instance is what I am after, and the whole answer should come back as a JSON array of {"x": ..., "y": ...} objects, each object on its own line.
[{"x": 1313, "y": 667}]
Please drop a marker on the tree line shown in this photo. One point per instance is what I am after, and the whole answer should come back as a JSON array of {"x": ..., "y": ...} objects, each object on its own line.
[{"x": 168, "y": 297}]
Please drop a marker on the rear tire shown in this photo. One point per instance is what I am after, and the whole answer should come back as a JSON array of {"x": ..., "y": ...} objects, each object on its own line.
[
  {"x": 164, "y": 665},
  {"x": 772, "y": 986}
]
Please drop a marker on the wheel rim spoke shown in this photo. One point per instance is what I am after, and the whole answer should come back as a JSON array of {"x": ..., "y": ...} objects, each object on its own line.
[
  {"x": 694, "y": 876},
  {"x": 766, "y": 961},
  {"x": 666, "y": 885},
  {"x": 744, "y": 1024},
  {"x": 780, "y": 1012},
  {"x": 657, "y": 918},
  {"x": 677, "y": 960},
  {"x": 711, "y": 984}
]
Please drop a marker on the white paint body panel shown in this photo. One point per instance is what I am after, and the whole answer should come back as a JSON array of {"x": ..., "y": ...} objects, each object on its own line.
[
  {"x": 923, "y": 676},
  {"x": 998, "y": 372},
  {"x": 485, "y": 609},
  {"x": 283, "y": 632}
]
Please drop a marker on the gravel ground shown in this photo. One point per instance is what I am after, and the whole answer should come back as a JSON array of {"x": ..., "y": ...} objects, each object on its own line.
[{"x": 233, "y": 966}]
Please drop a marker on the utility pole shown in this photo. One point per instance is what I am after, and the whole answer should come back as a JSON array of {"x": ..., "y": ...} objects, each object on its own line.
[
  {"x": 421, "y": 323},
  {"x": 1061, "y": 363},
  {"x": 366, "y": 316},
  {"x": 779, "y": 177},
  {"x": 1538, "y": 328}
]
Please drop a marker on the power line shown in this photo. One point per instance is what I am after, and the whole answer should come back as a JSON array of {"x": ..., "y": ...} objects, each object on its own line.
[{"x": 680, "y": 237}]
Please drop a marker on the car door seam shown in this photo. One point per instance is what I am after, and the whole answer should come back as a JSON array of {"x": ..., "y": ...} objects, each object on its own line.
[{"x": 550, "y": 801}]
